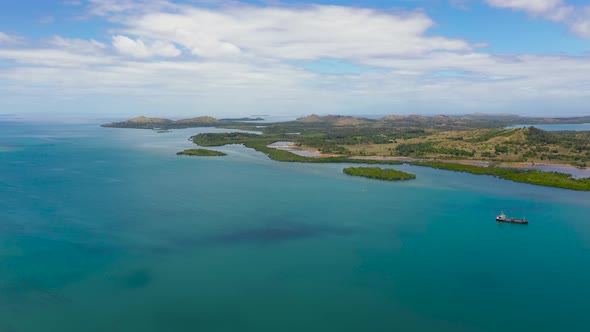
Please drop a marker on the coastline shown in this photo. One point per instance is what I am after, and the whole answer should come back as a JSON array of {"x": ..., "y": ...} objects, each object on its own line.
[
  {"x": 573, "y": 171},
  {"x": 480, "y": 163},
  {"x": 545, "y": 166},
  {"x": 300, "y": 150},
  {"x": 542, "y": 164}
]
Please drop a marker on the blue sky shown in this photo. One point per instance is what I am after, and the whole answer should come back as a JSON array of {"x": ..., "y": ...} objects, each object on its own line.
[{"x": 116, "y": 58}]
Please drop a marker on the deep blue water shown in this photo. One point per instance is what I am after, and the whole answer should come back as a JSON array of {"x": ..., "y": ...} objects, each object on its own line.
[{"x": 108, "y": 230}]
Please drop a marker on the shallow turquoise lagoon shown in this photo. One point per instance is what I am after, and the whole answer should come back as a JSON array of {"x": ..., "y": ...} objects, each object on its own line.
[{"x": 108, "y": 230}]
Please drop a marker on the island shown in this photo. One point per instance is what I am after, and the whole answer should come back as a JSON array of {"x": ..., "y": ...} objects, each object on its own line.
[
  {"x": 496, "y": 145},
  {"x": 201, "y": 153},
  {"x": 243, "y": 119},
  {"x": 379, "y": 173},
  {"x": 143, "y": 122}
]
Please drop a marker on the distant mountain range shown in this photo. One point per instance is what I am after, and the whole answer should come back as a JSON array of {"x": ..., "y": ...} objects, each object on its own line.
[{"x": 476, "y": 120}]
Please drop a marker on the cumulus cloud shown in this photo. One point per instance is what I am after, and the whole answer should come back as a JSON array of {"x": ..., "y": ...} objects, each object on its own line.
[
  {"x": 531, "y": 6},
  {"x": 76, "y": 45},
  {"x": 581, "y": 22},
  {"x": 231, "y": 58},
  {"x": 114, "y": 7},
  {"x": 138, "y": 49},
  {"x": 9, "y": 39},
  {"x": 554, "y": 10},
  {"x": 576, "y": 18},
  {"x": 309, "y": 33},
  {"x": 53, "y": 58},
  {"x": 482, "y": 82}
]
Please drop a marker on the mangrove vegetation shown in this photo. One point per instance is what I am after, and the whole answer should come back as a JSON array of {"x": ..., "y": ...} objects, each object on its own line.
[
  {"x": 379, "y": 173},
  {"x": 201, "y": 152},
  {"x": 541, "y": 178}
]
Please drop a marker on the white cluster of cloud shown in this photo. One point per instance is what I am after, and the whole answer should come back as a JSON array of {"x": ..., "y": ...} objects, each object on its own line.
[
  {"x": 581, "y": 22},
  {"x": 238, "y": 59},
  {"x": 138, "y": 49},
  {"x": 307, "y": 33},
  {"x": 114, "y": 7},
  {"x": 532, "y": 6},
  {"x": 578, "y": 19},
  {"x": 9, "y": 39},
  {"x": 74, "y": 45}
]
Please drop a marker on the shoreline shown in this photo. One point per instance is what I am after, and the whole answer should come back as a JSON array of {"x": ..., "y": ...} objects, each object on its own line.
[
  {"x": 300, "y": 150},
  {"x": 475, "y": 162},
  {"x": 574, "y": 171},
  {"x": 521, "y": 164},
  {"x": 315, "y": 153},
  {"x": 568, "y": 177}
]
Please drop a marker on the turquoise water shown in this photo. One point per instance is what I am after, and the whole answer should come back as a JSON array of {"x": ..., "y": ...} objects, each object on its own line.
[
  {"x": 108, "y": 230},
  {"x": 558, "y": 127}
]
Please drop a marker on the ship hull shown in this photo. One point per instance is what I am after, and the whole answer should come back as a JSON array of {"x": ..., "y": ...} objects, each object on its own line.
[{"x": 513, "y": 221}]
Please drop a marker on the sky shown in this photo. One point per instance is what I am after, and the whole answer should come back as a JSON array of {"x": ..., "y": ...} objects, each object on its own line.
[{"x": 120, "y": 58}]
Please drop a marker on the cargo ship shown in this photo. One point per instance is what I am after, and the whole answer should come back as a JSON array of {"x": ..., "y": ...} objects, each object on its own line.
[{"x": 502, "y": 218}]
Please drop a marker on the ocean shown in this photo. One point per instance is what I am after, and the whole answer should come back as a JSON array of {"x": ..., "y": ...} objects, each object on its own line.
[{"x": 105, "y": 229}]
